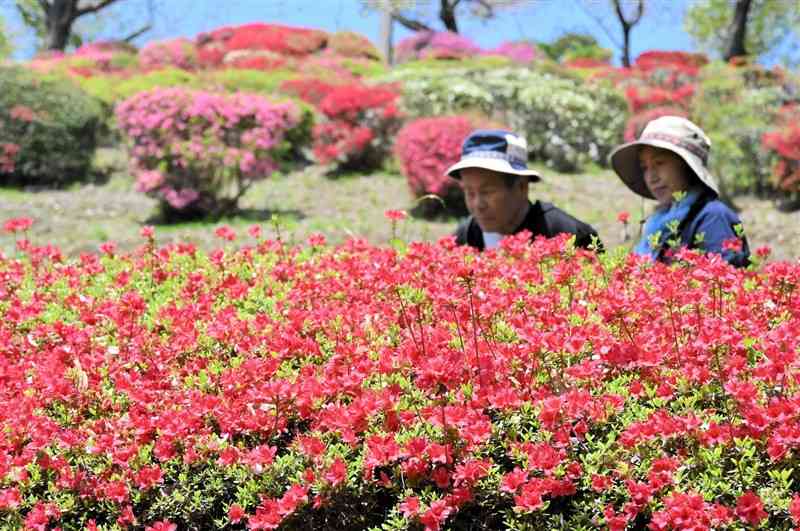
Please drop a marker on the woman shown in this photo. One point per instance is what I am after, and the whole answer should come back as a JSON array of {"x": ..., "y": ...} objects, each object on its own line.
[{"x": 669, "y": 163}]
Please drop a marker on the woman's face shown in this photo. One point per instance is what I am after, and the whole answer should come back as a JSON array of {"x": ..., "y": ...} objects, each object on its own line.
[{"x": 664, "y": 173}]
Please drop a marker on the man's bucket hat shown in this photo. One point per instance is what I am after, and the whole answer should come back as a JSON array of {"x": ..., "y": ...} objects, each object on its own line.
[
  {"x": 496, "y": 150},
  {"x": 673, "y": 133}
]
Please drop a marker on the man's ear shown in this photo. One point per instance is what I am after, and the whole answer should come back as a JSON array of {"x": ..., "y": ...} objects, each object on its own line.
[{"x": 524, "y": 185}]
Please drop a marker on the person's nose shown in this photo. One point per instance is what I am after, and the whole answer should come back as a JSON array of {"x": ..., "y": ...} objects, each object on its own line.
[{"x": 650, "y": 176}]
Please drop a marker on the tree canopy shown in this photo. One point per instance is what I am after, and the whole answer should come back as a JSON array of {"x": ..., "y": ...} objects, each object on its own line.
[{"x": 713, "y": 24}]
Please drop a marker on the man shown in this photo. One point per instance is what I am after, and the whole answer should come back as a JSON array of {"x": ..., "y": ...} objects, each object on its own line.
[{"x": 494, "y": 176}]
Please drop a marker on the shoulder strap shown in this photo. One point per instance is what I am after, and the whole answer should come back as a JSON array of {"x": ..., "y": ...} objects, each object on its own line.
[{"x": 694, "y": 210}]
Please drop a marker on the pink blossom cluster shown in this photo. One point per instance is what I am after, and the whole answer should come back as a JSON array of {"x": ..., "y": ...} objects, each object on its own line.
[
  {"x": 518, "y": 51},
  {"x": 435, "y": 45},
  {"x": 193, "y": 148},
  {"x": 448, "y": 45},
  {"x": 179, "y": 53},
  {"x": 426, "y": 147}
]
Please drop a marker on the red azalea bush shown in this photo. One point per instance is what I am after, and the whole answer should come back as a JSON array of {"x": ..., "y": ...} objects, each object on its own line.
[
  {"x": 213, "y": 46},
  {"x": 198, "y": 152},
  {"x": 784, "y": 141},
  {"x": 355, "y": 387},
  {"x": 425, "y": 148},
  {"x": 657, "y": 78},
  {"x": 310, "y": 90},
  {"x": 361, "y": 121}
]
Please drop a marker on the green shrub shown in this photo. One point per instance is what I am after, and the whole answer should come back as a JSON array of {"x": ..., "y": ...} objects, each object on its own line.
[
  {"x": 572, "y": 46},
  {"x": 246, "y": 80},
  {"x": 735, "y": 114},
  {"x": 52, "y": 122},
  {"x": 113, "y": 89},
  {"x": 567, "y": 123}
]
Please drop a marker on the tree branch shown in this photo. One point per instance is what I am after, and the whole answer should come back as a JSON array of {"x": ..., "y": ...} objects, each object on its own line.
[
  {"x": 138, "y": 32},
  {"x": 599, "y": 21},
  {"x": 93, "y": 8},
  {"x": 413, "y": 25}
]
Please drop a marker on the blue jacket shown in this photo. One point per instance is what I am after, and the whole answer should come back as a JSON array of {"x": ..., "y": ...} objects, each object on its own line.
[{"x": 715, "y": 221}]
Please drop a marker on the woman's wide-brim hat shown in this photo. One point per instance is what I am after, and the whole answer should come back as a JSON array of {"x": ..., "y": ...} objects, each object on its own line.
[
  {"x": 496, "y": 150},
  {"x": 673, "y": 133}
]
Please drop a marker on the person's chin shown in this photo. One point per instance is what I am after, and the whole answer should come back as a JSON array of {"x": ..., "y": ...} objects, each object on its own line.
[{"x": 488, "y": 225}]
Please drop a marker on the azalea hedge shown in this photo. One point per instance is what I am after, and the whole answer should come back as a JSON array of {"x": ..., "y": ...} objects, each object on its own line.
[{"x": 421, "y": 386}]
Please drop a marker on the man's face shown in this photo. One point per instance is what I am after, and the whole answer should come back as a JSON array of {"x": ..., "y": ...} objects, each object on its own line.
[
  {"x": 496, "y": 207},
  {"x": 664, "y": 173}
]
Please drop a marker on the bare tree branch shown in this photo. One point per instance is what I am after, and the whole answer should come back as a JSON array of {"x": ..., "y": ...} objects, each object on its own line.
[
  {"x": 138, "y": 32},
  {"x": 93, "y": 8},
  {"x": 413, "y": 25},
  {"x": 599, "y": 20}
]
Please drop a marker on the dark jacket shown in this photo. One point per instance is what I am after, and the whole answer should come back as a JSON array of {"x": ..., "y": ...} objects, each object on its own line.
[
  {"x": 716, "y": 222},
  {"x": 543, "y": 219}
]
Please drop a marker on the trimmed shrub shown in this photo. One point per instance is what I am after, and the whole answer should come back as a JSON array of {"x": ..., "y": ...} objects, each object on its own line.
[
  {"x": 567, "y": 123},
  {"x": 425, "y": 148},
  {"x": 198, "y": 152},
  {"x": 522, "y": 52},
  {"x": 332, "y": 67},
  {"x": 256, "y": 60},
  {"x": 360, "y": 122},
  {"x": 112, "y": 89},
  {"x": 435, "y": 45},
  {"x": 736, "y": 117},
  {"x": 351, "y": 44},
  {"x": 213, "y": 47},
  {"x": 246, "y": 80},
  {"x": 48, "y": 128},
  {"x": 178, "y": 53},
  {"x": 310, "y": 90},
  {"x": 571, "y": 46},
  {"x": 784, "y": 142}
]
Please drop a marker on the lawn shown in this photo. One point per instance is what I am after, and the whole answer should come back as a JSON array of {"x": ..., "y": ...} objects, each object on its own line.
[{"x": 82, "y": 217}]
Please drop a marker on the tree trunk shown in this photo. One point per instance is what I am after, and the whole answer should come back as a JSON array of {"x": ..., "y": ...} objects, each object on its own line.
[
  {"x": 387, "y": 30},
  {"x": 447, "y": 14},
  {"x": 737, "y": 46},
  {"x": 59, "y": 16}
]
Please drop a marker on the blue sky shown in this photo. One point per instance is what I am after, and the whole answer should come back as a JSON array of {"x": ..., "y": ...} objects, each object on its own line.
[{"x": 541, "y": 20}]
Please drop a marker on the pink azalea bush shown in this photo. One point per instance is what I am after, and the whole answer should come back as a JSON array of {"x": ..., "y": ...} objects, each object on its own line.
[
  {"x": 358, "y": 387},
  {"x": 425, "y": 148},
  {"x": 179, "y": 53},
  {"x": 198, "y": 152},
  {"x": 435, "y": 45},
  {"x": 518, "y": 51}
]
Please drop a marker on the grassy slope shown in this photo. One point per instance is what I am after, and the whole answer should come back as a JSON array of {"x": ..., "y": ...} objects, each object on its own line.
[{"x": 81, "y": 218}]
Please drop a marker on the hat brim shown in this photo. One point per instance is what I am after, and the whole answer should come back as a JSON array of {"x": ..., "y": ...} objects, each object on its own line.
[
  {"x": 625, "y": 162},
  {"x": 498, "y": 165}
]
